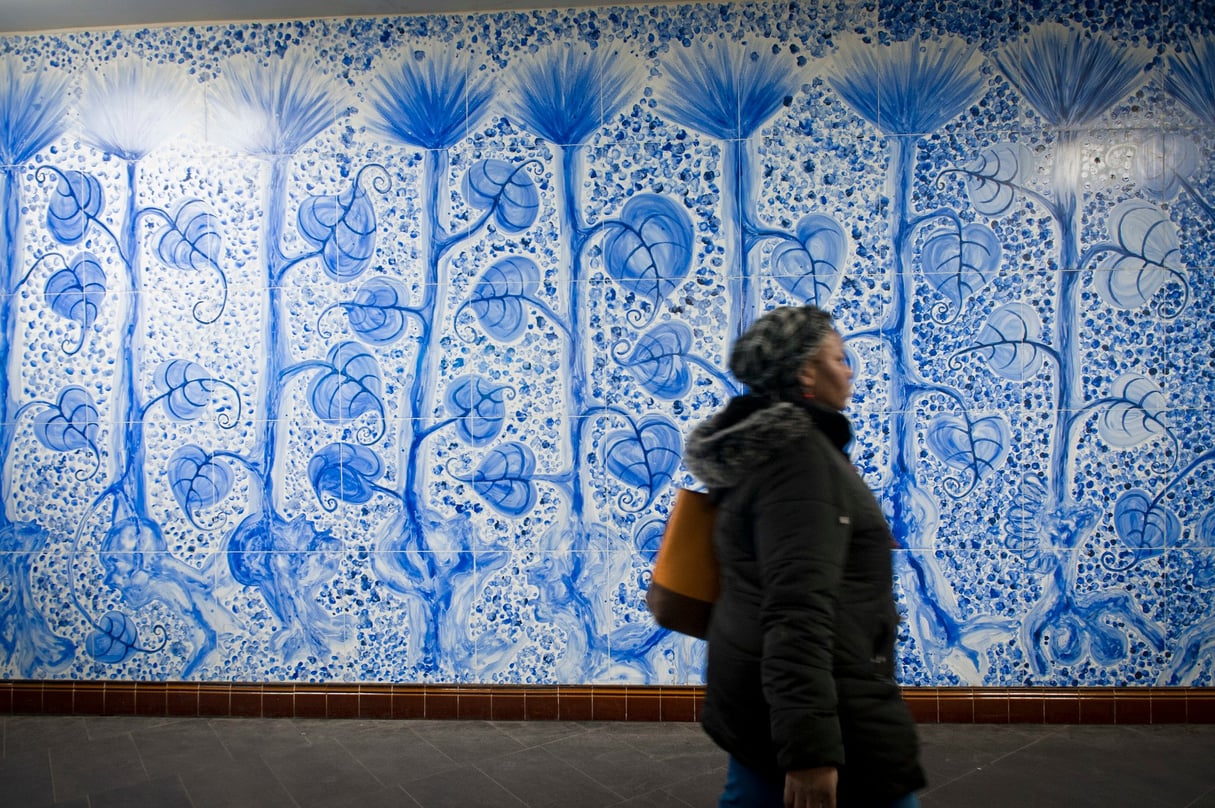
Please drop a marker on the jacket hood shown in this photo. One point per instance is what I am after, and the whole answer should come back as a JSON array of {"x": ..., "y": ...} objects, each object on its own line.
[{"x": 726, "y": 449}]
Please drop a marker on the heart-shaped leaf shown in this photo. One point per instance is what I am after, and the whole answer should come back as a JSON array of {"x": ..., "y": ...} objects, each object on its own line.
[
  {"x": 1137, "y": 413},
  {"x": 348, "y": 387},
  {"x": 976, "y": 446},
  {"x": 344, "y": 472},
  {"x": 379, "y": 313},
  {"x": 71, "y": 424},
  {"x": 658, "y": 362},
  {"x": 1147, "y": 253},
  {"x": 992, "y": 178},
  {"x": 644, "y": 456},
  {"x": 960, "y": 263},
  {"x": 501, "y": 297},
  {"x": 192, "y": 241},
  {"x": 1145, "y": 526},
  {"x": 76, "y": 201},
  {"x": 187, "y": 387},
  {"x": 114, "y": 639},
  {"x": 810, "y": 268},
  {"x": 504, "y": 479},
  {"x": 197, "y": 480},
  {"x": 649, "y": 250},
  {"x": 343, "y": 228},
  {"x": 1010, "y": 342},
  {"x": 479, "y": 408},
  {"x": 77, "y": 291},
  {"x": 506, "y": 189}
]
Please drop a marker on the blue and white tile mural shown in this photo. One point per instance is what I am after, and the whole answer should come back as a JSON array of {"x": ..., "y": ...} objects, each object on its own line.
[{"x": 363, "y": 350}]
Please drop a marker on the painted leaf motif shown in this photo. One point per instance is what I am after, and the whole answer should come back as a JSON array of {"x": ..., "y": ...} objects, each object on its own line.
[
  {"x": 348, "y": 387},
  {"x": 343, "y": 228},
  {"x": 479, "y": 408},
  {"x": 1143, "y": 526},
  {"x": 648, "y": 252},
  {"x": 1137, "y": 413},
  {"x": 1204, "y": 564},
  {"x": 379, "y": 313},
  {"x": 344, "y": 472},
  {"x": 77, "y": 292},
  {"x": 1206, "y": 529},
  {"x": 188, "y": 387},
  {"x": 71, "y": 424},
  {"x": 991, "y": 178},
  {"x": 645, "y": 457},
  {"x": 500, "y": 297},
  {"x": 504, "y": 479},
  {"x": 1009, "y": 342},
  {"x": 977, "y": 446},
  {"x": 1147, "y": 253},
  {"x": 197, "y": 480},
  {"x": 649, "y": 539},
  {"x": 76, "y": 201},
  {"x": 658, "y": 362},
  {"x": 811, "y": 268},
  {"x": 114, "y": 639},
  {"x": 1164, "y": 162},
  {"x": 192, "y": 241},
  {"x": 506, "y": 189},
  {"x": 960, "y": 264}
]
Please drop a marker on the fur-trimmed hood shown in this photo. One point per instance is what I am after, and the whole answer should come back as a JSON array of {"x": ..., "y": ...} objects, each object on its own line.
[{"x": 728, "y": 447}]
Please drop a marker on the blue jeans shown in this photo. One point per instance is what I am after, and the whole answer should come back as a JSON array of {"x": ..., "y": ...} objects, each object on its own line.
[{"x": 746, "y": 789}]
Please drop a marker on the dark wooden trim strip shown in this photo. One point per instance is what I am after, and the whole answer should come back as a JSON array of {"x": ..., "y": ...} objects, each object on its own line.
[{"x": 929, "y": 705}]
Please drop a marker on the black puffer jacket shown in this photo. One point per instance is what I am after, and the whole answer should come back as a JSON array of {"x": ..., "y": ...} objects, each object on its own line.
[{"x": 801, "y": 646}]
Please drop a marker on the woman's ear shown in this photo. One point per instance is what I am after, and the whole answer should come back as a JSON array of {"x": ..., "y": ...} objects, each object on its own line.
[{"x": 806, "y": 377}]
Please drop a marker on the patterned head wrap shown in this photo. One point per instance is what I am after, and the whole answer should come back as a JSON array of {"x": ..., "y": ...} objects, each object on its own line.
[{"x": 770, "y": 355}]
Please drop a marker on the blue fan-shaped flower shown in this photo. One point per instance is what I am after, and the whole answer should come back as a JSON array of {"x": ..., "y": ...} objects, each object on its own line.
[
  {"x": 725, "y": 90},
  {"x": 907, "y": 88},
  {"x": 1071, "y": 78},
  {"x": 129, "y": 108},
  {"x": 1191, "y": 79},
  {"x": 564, "y": 97},
  {"x": 272, "y": 110},
  {"x": 429, "y": 104},
  {"x": 32, "y": 108}
]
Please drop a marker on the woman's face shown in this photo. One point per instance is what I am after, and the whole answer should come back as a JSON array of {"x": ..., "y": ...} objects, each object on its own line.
[{"x": 827, "y": 377}]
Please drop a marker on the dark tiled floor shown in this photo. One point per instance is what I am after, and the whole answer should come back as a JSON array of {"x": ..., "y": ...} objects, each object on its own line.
[{"x": 252, "y": 763}]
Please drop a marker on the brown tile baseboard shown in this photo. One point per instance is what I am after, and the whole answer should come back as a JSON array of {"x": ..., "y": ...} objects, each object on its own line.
[{"x": 930, "y": 705}]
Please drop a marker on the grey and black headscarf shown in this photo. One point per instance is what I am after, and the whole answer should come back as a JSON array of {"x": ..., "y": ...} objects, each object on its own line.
[{"x": 769, "y": 356}]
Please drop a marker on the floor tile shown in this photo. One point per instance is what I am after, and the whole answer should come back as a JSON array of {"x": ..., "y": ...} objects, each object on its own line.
[
  {"x": 463, "y": 787},
  {"x": 539, "y": 779}
]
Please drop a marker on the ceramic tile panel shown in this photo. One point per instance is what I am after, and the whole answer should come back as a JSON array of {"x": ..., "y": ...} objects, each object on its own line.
[{"x": 365, "y": 350}]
